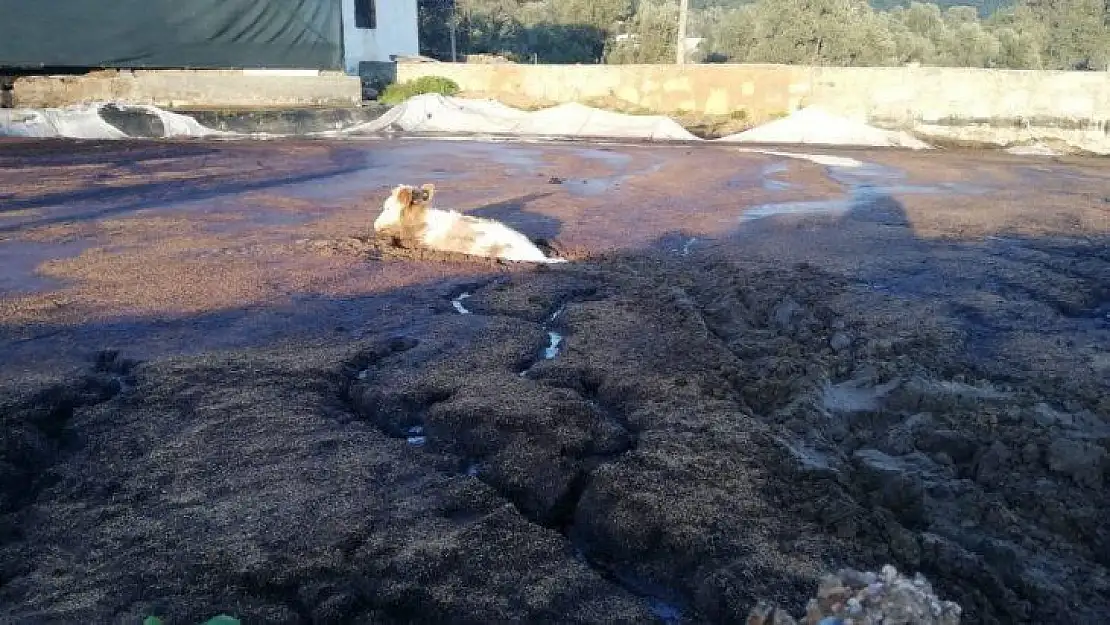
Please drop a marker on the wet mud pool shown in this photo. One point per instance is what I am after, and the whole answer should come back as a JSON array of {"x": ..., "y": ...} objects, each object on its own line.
[{"x": 221, "y": 393}]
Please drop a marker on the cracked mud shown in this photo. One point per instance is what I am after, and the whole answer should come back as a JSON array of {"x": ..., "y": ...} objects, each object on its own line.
[{"x": 719, "y": 428}]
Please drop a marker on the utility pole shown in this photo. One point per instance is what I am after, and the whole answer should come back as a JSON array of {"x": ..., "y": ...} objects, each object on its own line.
[
  {"x": 680, "y": 48},
  {"x": 454, "y": 22}
]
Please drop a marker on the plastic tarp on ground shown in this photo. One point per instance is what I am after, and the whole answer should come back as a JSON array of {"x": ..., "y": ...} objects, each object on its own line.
[
  {"x": 817, "y": 127},
  {"x": 95, "y": 121},
  {"x": 434, "y": 113},
  {"x": 194, "y": 34}
]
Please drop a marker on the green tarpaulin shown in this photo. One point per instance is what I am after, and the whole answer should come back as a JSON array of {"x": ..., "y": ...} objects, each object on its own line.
[{"x": 202, "y": 34}]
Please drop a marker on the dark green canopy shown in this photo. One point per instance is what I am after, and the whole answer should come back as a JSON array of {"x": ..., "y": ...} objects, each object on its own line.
[{"x": 202, "y": 34}]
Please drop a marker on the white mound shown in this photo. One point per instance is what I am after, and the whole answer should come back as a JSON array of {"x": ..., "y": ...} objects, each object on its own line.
[
  {"x": 436, "y": 113},
  {"x": 578, "y": 120},
  {"x": 84, "y": 121},
  {"x": 815, "y": 126},
  {"x": 1035, "y": 149},
  {"x": 432, "y": 112}
]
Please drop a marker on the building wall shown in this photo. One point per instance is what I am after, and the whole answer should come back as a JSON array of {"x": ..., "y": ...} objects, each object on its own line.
[
  {"x": 191, "y": 88},
  {"x": 396, "y": 33}
]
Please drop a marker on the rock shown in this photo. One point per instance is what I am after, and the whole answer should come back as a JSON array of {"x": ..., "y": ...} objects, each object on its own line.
[
  {"x": 897, "y": 483},
  {"x": 840, "y": 341},
  {"x": 960, "y": 447},
  {"x": 900, "y": 439},
  {"x": 992, "y": 465},
  {"x": 761, "y": 614},
  {"x": 1045, "y": 416},
  {"x": 944, "y": 459},
  {"x": 928, "y": 395},
  {"x": 903, "y": 544},
  {"x": 784, "y": 314},
  {"x": 810, "y": 461},
  {"x": 881, "y": 467},
  {"x": 1080, "y": 460},
  {"x": 1031, "y": 454},
  {"x": 855, "y": 396},
  {"x": 880, "y": 347}
]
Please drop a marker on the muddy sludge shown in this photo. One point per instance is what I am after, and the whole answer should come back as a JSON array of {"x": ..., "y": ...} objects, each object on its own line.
[
  {"x": 386, "y": 248},
  {"x": 710, "y": 434}
]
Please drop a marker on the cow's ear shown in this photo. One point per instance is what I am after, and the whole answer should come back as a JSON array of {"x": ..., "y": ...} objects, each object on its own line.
[{"x": 404, "y": 196}]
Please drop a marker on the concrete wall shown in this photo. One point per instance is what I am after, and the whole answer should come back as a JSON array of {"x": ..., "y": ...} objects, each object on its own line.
[
  {"x": 954, "y": 102},
  {"x": 664, "y": 88},
  {"x": 185, "y": 88},
  {"x": 397, "y": 33}
]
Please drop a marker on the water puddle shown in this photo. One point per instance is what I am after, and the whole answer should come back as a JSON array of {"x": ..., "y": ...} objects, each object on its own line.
[
  {"x": 231, "y": 217},
  {"x": 554, "y": 340},
  {"x": 820, "y": 159},
  {"x": 614, "y": 159},
  {"x": 665, "y": 612},
  {"x": 458, "y": 304},
  {"x": 765, "y": 181},
  {"x": 867, "y": 183},
  {"x": 830, "y": 207},
  {"x": 21, "y": 261},
  {"x": 416, "y": 436},
  {"x": 589, "y": 187},
  {"x": 552, "y": 350}
]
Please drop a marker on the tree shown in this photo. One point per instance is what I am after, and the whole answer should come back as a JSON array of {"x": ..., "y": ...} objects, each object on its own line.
[
  {"x": 1077, "y": 34},
  {"x": 822, "y": 32},
  {"x": 729, "y": 34},
  {"x": 1057, "y": 34},
  {"x": 968, "y": 45},
  {"x": 652, "y": 32}
]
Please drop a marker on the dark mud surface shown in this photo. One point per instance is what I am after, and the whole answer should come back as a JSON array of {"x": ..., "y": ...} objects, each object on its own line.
[{"x": 318, "y": 427}]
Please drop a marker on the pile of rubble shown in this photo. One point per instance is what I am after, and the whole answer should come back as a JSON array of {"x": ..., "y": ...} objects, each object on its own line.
[{"x": 854, "y": 598}]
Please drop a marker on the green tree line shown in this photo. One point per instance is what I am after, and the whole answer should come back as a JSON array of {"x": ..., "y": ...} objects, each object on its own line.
[{"x": 1031, "y": 34}]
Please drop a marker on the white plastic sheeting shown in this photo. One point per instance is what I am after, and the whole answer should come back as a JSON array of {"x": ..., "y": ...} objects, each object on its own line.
[
  {"x": 815, "y": 126},
  {"x": 75, "y": 122},
  {"x": 177, "y": 125},
  {"x": 437, "y": 113},
  {"x": 434, "y": 113},
  {"x": 577, "y": 120},
  {"x": 444, "y": 114},
  {"x": 84, "y": 121}
]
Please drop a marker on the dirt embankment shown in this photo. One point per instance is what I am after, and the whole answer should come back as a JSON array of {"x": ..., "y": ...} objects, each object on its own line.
[{"x": 626, "y": 439}]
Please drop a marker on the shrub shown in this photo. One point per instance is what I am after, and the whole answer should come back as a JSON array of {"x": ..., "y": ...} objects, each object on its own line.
[{"x": 399, "y": 92}]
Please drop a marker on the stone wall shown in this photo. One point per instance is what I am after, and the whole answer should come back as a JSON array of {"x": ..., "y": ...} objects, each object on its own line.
[
  {"x": 188, "y": 88},
  {"x": 975, "y": 105}
]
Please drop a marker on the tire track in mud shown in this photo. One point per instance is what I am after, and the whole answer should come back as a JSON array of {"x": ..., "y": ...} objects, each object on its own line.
[
  {"x": 560, "y": 516},
  {"x": 36, "y": 435}
]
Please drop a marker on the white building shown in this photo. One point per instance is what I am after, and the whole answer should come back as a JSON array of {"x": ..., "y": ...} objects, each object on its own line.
[{"x": 375, "y": 30}]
